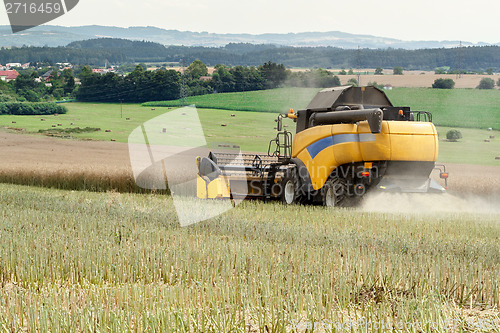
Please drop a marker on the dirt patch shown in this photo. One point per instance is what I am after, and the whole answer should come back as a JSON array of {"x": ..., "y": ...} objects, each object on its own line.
[{"x": 37, "y": 151}]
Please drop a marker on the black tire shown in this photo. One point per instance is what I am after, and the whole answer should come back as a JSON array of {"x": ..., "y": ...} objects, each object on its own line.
[
  {"x": 334, "y": 192},
  {"x": 290, "y": 187}
]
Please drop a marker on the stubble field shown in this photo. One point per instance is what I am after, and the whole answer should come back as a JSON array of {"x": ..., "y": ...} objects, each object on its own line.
[{"x": 86, "y": 261}]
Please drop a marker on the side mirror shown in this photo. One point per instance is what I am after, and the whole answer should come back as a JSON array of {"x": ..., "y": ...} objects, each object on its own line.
[{"x": 279, "y": 126}]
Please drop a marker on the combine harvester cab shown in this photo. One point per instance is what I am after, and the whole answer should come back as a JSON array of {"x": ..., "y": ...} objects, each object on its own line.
[{"x": 349, "y": 140}]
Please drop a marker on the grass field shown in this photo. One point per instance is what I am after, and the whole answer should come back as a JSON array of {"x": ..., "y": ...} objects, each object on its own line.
[
  {"x": 471, "y": 149},
  {"x": 251, "y": 130},
  {"x": 274, "y": 100},
  {"x": 93, "y": 262},
  {"x": 471, "y": 108}
]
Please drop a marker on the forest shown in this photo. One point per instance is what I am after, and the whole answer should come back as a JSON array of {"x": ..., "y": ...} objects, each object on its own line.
[{"x": 96, "y": 52}]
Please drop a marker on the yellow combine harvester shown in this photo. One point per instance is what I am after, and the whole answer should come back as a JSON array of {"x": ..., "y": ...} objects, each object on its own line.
[{"x": 348, "y": 141}]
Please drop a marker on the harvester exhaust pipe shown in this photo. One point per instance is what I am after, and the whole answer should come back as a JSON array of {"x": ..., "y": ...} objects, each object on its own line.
[{"x": 373, "y": 116}]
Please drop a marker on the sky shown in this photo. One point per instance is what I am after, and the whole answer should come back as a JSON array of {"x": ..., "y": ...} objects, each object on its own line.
[{"x": 472, "y": 21}]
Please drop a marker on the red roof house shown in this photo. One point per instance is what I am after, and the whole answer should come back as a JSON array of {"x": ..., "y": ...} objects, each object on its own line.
[{"x": 8, "y": 75}]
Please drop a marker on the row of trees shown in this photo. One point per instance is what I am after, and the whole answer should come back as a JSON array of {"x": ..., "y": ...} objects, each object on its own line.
[
  {"x": 138, "y": 86},
  {"x": 163, "y": 84},
  {"x": 141, "y": 85},
  {"x": 27, "y": 109},
  {"x": 485, "y": 83},
  {"x": 448, "y": 70}
]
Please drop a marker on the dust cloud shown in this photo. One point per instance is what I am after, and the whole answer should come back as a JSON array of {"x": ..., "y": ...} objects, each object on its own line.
[{"x": 424, "y": 203}]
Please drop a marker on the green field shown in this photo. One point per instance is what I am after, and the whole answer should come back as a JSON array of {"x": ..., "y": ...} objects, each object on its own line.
[
  {"x": 274, "y": 100},
  {"x": 473, "y": 108},
  {"x": 472, "y": 149},
  {"x": 251, "y": 130},
  {"x": 108, "y": 262}
]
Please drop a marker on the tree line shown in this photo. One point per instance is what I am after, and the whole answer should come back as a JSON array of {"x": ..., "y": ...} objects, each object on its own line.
[
  {"x": 166, "y": 84},
  {"x": 29, "y": 109},
  {"x": 118, "y": 51},
  {"x": 142, "y": 85}
]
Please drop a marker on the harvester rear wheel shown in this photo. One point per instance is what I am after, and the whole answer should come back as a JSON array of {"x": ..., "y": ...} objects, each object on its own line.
[
  {"x": 334, "y": 192},
  {"x": 290, "y": 187}
]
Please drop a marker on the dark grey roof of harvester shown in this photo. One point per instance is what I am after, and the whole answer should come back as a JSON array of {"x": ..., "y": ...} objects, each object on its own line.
[{"x": 330, "y": 98}]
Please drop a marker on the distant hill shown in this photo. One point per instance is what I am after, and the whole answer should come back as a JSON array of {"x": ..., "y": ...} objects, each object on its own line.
[
  {"x": 114, "y": 43},
  {"x": 49, "y": 35}
]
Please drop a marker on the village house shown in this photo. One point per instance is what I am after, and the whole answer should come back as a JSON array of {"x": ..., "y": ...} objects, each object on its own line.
[
  {"x": 13, "y": 64},
  {"x": 46, "y": 77},
  {"x": 102, "y": 70},
  {"x": 8, "y": 75}
]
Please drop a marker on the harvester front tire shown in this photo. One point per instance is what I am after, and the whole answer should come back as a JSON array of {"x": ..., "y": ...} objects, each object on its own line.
[
  {"x": 290, "y": 185},
  {"x": 334, "y": 193}
]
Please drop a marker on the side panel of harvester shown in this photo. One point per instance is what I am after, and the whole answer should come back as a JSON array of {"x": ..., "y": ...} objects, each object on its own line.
[{"x": 324, "y": 148}]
